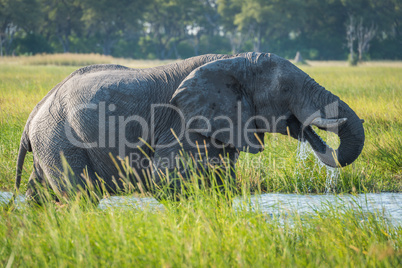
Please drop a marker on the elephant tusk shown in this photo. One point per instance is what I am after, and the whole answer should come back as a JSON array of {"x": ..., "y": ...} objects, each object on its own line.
[{"x": 328, "y": 123}]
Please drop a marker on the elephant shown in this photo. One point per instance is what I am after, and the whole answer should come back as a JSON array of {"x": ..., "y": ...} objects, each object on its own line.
[{"x": 211, "y": 105}]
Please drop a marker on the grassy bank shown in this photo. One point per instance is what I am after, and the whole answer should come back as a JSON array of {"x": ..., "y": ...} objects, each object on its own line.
[
  {"x": 374, "y": 92},
  {"x": 204, "y": 232},
  {"x": 70, "y": 59}
]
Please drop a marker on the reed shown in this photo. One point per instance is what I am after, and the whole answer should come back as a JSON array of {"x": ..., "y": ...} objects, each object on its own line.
[
  {"x": 203, "y": 230},
  {"x": 71, "y": 59}
]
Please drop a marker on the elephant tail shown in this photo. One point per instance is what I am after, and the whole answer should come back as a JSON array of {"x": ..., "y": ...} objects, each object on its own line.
[
  {"x": 25, "y": 146},
  {"x": 20, "y": 163}
]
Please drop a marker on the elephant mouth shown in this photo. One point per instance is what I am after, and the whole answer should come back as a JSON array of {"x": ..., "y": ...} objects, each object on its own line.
[
  {"x": 349, "y": 130},
  {"x": 317, "y": 143}
]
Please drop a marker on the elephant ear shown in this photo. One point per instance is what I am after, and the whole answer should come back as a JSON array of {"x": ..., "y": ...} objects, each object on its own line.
[{"x": 214, "y": 103}]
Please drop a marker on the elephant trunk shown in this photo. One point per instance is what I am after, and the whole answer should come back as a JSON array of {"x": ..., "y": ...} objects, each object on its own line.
[{"x": 343, "y": 121}]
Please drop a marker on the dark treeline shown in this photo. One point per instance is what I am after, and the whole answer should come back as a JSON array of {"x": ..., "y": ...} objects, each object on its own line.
[{"x": 166, "y": 29}]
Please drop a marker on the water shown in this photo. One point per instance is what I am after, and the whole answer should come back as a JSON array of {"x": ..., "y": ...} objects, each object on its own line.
[
  {"x": 303, "y": 151},
  {"x": 386, "y": 204}
]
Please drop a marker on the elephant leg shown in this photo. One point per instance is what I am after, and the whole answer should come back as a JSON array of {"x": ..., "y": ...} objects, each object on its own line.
[
  {"x": 223, "y": 168},
  {"x": 163, "y": 181},
  {"x": 172, "y": 166},
  {"x": 32, "y": 194},
  {"x": 71, "y": 174},
  {"x": 38, "y": 190}
]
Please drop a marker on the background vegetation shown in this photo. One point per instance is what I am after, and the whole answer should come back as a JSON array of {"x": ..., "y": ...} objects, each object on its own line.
[{"x": 170, "y": 29}]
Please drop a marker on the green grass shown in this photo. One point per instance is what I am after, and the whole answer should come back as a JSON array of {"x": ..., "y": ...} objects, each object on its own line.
[
  {"x": 204, "y": 230},
  {"x": 200, "y": 232},
  {"x": 66, "y": 59},
  {"x": 70, "y": 59}
]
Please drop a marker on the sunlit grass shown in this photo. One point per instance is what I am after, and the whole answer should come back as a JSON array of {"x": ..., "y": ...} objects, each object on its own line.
[
  {"x": 70, "y": 59},
  {"x": 201, "y": 231},
  {"x": 67, "y": 59}
]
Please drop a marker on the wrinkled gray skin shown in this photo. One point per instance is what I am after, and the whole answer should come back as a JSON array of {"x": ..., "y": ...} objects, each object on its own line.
[{"x": 211, "y": 85}]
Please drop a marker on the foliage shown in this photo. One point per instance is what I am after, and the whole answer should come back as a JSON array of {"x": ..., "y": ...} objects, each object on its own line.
[
  {"x": 167, "y": 24},
  {"x": 110, "y": 22},
  {"x": 175, "y": 28},
  {"x": 202, "y": 231},
  {"x": 16, "y": 15},
  {"x": 61, "y": 20}
]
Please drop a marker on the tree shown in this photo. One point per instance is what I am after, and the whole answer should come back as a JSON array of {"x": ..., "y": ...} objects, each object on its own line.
[
  {"x": 16, "y": 15},
  {"x": 204, "y": 23},
  {"x": 111, "y": 21},
  {"x": 364, "y": 35},
  {"x": 228, "y": 9},
  {"x": 176, "y": 28},
  {"x": 387, "y": 17},
  {"x": 169, "y": 23},
  {"x": 350, "y": 38},
  {"x": 257, "y": 20},
  {"x": 62, "y": 19},
  {"x": 320, "y": 28}
]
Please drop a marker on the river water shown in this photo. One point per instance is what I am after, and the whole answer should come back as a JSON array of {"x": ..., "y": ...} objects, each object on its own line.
[{"x": 385, "y": 204}]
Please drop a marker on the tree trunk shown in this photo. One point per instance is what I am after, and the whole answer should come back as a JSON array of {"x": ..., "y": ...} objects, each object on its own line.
[
  {"x": 364, "y": 35},
  {"x": 350, "y": 38},
  {"x": 257, "y": 40},
  {"x": 65, "y": 43},
  {"x": 107, "y": 48}
]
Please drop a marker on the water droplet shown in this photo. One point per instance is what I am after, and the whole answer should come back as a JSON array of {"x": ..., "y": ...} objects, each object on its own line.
[{"x": 303, "y": 151}]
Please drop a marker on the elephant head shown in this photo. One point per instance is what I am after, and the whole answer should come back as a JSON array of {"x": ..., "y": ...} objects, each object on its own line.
[{"x": 235, "y": 100}]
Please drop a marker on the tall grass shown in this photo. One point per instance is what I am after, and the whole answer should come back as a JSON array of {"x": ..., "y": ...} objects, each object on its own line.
[
  {"x": 206, "y": 228},
  {"x": 67, "y": 59},
  {"x": 71, "y": 59},
  {"x": 203, "y": 230}
]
